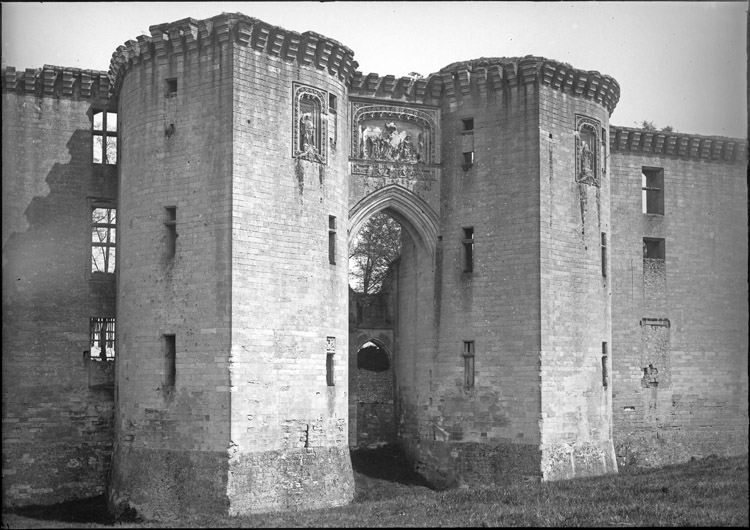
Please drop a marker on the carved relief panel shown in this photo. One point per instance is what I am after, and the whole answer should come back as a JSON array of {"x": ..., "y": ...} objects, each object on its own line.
[
  {"x": 588, "y": 143},
  {"x": 394, "y": 143},
  {"x": 309, "y": 123}
]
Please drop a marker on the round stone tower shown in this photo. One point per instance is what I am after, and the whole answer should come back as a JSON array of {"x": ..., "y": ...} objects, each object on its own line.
[{"x": 232, "y": 277}]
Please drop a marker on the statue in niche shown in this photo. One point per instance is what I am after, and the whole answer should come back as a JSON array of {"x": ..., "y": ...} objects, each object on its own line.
[
  {"x": 308, "y": 138},
  {"x": 587, "y": 152},
  {"x": 586, "y": 155}
]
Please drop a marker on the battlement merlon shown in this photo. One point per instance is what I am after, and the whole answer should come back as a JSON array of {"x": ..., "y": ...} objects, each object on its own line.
[
  {"x": 188, "y": 35},
  {"x": 487, "y": 75},
  {"x": 59, "y": 81},
  {"x": 662, "y": 143}
]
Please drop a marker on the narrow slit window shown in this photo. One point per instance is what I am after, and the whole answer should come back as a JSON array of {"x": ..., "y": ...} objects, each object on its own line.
[
  {"x": 332, "y": 240},
  {"x": 468, "y": 244},
  {"x": 170, "y": 360},
  {"x": 102, "y": 338},
  {"x": 330, "y": 362},
  {"x": 468, "y": 356},
  {"x": 104, "y": 134},
  {"x": 171, "y": 224},
  {"x": 604, "y": 255},
  {"x": 653, "y": 248},
  {"x": 605, "y": 369},
  {"x": 170, "y": 87},
  {"x": 652, "y": 193},
  {"x": 103, "y": 239}
]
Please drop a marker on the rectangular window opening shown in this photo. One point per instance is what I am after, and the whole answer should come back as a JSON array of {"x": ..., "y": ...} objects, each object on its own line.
[
  {"x": 170, "y": 360},
  {"x": 104, "y": 133},
  {"x": 653, "y": 248},
  {"x": 102, "y": 338},
  {"x": 652, "y": 193},
  {"x": 170, "y": 87},
  {"x": 171, "y": 225},
  {"x": 103, "y": 239},
  {"x": 332, "y": 240},
  {"x": 468, "y": 243},
  {"x": 468, "y": 124},
  {"x": 468, "y": 160},
  {"x": 468, "y": 355},
  {"x": 604, "y": 255}
]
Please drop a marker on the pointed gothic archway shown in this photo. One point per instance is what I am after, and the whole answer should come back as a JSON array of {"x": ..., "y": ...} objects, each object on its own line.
[{"x": 411, "y": 211}]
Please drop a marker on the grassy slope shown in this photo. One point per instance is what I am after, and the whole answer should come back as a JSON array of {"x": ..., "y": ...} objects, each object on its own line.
[{"x": 708, "y": 492}]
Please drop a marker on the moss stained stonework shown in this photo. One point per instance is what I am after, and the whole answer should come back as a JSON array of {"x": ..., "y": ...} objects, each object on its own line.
[{"x": 527, "y": 335}]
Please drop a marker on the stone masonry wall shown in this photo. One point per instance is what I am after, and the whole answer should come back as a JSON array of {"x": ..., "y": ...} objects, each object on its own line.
[
  {"x": 685, "y": 316},
  {"x": 575, "y": 294},
  {"x": 489, "y": 432},
  {"x": 288, "y": 424},
  {"x": 172, "y": 439},
  {"x": 57, "y": 406}
]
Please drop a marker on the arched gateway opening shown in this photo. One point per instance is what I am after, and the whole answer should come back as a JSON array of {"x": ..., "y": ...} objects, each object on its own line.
[{"x": 387, "y": 323}]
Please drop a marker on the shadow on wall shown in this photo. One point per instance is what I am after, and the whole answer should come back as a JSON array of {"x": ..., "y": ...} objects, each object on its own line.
[{"x": 48, "y": 301}]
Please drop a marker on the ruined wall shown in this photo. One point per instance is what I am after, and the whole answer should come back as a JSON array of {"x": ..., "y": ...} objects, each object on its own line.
[
  {"x": 575, "y": 286},
  {"x": 680, "y": 324},
  {"x": 57, "y": 402},
  {"x": 172, "y": 430}
]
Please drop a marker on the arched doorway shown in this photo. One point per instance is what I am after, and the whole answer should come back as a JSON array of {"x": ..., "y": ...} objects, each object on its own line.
[{"x": 389, "y": 329}]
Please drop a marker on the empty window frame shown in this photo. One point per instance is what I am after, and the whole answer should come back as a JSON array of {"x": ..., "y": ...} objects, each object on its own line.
[
  {"x": 652, "y": 193},
  {"x": 330, "y": 362},
  {"x": 332, "y": 240},
  {"x": 604, "y": 255},
  {"x": 468, "y": 356},
  {"x": 104, "y": 133},
  {"x": 467, "y": 124},
  {"x": 102, "y": 338},
  {"x": 170, "y": 360},
  {"x": 653, "y": 248},
  {"x": 170, "y": 87},
  {"x": 103, "y": 239},
  {"x": 170, "y": 223},
  {"x": 468, "y": 244}
]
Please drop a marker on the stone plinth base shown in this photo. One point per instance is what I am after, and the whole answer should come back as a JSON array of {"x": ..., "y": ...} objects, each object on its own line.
[
  {"x": 159, "y": 484},
  {"x": 578, "y": 459},
  {"x": 289, "y": 480},
  {"x": 447, "y": 464}
]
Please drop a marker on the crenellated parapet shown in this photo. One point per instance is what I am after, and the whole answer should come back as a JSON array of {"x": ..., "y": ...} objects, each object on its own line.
[
  {"x": 485, "y": 76},
  {"x": 642, "y": 141},
  {"x": 189, "y": 35},
  {"x": 58, "y": 82}
]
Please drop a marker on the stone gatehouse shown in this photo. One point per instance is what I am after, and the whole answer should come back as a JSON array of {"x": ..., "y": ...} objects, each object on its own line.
[{"x": 176, "y": 325}]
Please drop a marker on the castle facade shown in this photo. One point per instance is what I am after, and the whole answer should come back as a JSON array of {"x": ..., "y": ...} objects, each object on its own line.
[{"x": 570, "y": 294}]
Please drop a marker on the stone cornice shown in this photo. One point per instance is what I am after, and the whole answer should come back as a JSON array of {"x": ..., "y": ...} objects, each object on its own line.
[
  {"x": 188, "y": 35},
  {"x": 487, "y": 75},
  {"x": 692, "y": 146},
  {"x": 58, "y": 82}
]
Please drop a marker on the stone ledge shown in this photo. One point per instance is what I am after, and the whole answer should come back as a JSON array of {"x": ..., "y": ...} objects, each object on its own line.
[{"x": 59, "y": 82}]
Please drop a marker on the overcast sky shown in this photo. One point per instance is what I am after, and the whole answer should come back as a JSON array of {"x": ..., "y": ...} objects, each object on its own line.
[{"x": 682, "y": 64}]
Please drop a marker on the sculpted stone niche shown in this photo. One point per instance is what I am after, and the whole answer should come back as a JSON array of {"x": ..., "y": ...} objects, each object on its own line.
[
  {"x": 394, "y": 144},
  {"x": 588, "y": 170}
]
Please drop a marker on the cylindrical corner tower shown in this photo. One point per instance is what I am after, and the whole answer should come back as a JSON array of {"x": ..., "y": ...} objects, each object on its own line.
[{"x": 232, "y": 287}]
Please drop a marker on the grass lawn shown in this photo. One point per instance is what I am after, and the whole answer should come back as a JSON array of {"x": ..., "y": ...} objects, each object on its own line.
[{"x": 708, "y": 492}]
